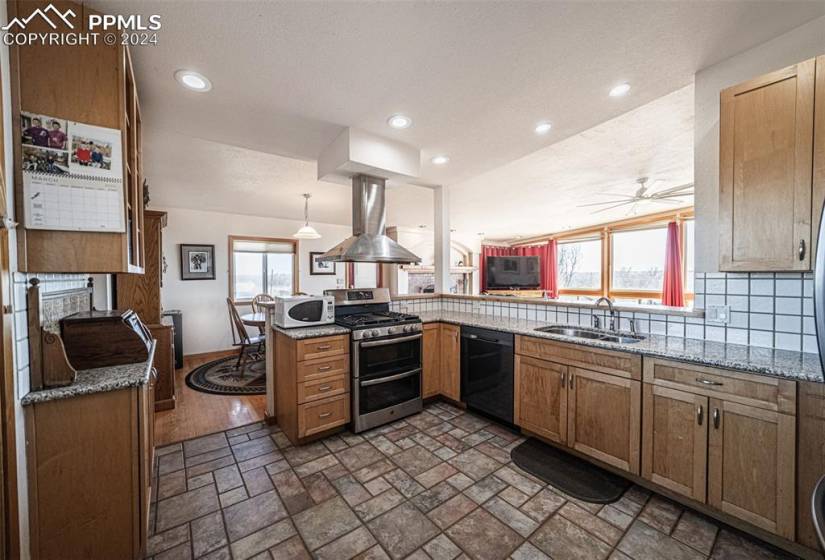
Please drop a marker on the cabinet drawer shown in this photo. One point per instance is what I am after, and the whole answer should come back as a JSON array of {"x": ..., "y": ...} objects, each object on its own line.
[
  {"x": 322, "y": 415},
  {"x": 312, "y": 348},
  {"x": 323, "y": 367},
  {"x": 748, "y": 389},
  {"x": 595, "y": 359},
  {"x": 317, "y": 389}
]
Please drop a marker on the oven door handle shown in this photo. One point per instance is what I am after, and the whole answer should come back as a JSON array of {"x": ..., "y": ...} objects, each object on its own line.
[
  {"x": 374, "y": 343},
  {"x": 391, "y": 378}
]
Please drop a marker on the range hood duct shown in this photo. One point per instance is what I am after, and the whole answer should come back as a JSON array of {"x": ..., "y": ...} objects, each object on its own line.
[{"x": 369, "y": 242}]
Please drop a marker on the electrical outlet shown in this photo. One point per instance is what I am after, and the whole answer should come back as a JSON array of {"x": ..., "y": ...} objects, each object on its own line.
[{"x": 717, "y": 314}]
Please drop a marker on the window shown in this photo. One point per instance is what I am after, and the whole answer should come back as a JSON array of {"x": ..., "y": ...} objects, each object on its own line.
[
  {"x": 261, "y": 265},
  {"x": 580, "y": 265},
  {"x": 638, "y": 260}
]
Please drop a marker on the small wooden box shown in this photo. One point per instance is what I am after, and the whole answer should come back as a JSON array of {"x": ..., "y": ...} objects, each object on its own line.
[{"x": 96, "y": 339}]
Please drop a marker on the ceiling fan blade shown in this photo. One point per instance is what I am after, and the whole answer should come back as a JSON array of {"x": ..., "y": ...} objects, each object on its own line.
[
  {"x": 667, "y": 200},
  {"x": 614, "y": 206},
  {"x": 616, "y": 194},
  {"x": 605, "y": 202},
  {"x": 671, "y": 195},
  {"x": 676, "y": 189}
]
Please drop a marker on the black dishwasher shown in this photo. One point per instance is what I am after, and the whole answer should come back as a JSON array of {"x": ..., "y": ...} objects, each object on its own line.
[{"x": 487, "y": 372}]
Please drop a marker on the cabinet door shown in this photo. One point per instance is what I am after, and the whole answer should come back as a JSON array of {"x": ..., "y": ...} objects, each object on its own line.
[
  {"x": 765, "y": 166},
  {"x": 751, "y": 465},
  {"x": 541, "y": 398},
  {"x": 431, "y": 361},
  {"x": 604, "y": 417},
  {"x": 451, "y": 362},
  {"x": 675, "y": 436}
]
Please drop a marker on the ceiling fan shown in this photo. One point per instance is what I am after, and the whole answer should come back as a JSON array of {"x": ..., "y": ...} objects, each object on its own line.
[{"x": 673, "y": 195}]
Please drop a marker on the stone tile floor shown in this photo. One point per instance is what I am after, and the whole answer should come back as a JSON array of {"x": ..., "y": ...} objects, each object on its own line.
[{"x": 438, "y": 485}]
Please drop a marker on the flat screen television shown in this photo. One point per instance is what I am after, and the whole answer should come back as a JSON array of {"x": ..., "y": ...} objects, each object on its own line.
[{"x": 505, "y": 273}]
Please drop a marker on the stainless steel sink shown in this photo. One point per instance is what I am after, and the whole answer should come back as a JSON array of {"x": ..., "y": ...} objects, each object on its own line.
[{"x": 592, "y": 334}]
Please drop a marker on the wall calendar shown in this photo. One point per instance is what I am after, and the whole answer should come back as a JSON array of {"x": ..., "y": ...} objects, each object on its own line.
[{"x": 72, "y": 175}]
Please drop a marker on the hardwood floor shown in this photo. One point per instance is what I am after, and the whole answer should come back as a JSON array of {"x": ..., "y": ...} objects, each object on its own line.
[{"x": 197, "y": 414}]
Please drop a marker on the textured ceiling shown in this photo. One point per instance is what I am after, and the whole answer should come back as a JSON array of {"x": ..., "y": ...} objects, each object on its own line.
[
  {"x": 542, "y": 192},
  {"x": 474, "y": 76}
]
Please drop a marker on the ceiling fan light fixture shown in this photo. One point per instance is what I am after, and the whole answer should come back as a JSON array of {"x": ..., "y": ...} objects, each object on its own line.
[{"x": 619, "y": 90}]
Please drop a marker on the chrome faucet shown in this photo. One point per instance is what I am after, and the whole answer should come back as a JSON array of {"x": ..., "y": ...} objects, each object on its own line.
[{"x": 610, "y": 308}]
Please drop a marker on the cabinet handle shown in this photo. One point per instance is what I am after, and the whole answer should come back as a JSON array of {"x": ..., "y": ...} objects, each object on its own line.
[
  {"x": 324, "y": 368},
  {"x": 801, "y": 249},
  {"x": 324, "y": 415},
  {"x": 704, "y": 381},
  {"x": 716, "y": 417},
  {"x": 572, "y": 378},
  {"x": 700, "y": 414},
  {"x": 324, "y": 347},
  {"x": 325, "y": 387},
  {"x": 563, "y": 380}
]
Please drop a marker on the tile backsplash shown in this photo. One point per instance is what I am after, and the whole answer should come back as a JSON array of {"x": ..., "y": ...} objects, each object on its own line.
[{"x": 766, "y": 310}]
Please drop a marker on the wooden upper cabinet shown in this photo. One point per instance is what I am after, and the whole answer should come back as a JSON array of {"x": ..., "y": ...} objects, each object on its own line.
[
  {"x": 766, "y": 134},
  {"x": 751, "y": 465},
  {"x": 604, "y": 417},
  {"x": 91, "y": 84},
  {"x": 540, "y": 403},
  {"x": 675, "y": 440},
  {"x": 431, "y": 361},
  {"x": 451, "y": 362}
]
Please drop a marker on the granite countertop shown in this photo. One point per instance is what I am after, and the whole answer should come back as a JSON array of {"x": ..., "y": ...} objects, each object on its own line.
[
  {"x": 299, "y": 333},
  {"x": 764, "y": 361},
  {"x": 97, "y": 380}
]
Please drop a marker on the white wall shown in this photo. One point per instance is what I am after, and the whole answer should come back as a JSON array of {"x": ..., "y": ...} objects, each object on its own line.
[
  {"x": 203, "y": 302},
  {"x": 794, "y": 46}
]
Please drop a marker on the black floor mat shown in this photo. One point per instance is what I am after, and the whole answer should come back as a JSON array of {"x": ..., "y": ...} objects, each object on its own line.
[{"x": 569, "y": 474}]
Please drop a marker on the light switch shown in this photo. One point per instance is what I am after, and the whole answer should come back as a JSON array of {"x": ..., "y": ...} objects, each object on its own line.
[{"x": 717, "y": 314}]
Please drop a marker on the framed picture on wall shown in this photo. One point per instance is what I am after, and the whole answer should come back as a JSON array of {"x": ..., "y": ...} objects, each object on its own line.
[
  {"x": 318, "y": 268},
  {"x": 197, "y": 262}
]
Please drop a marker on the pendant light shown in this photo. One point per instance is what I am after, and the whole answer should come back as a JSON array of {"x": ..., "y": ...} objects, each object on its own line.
[{"x": 306, "y": 231}]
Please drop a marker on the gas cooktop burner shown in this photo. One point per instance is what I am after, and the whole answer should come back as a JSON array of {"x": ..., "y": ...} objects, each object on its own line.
[{"x": 376, "y": 319}]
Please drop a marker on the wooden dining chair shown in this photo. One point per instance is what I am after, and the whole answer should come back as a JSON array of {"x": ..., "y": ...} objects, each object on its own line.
[
  {"x": 257, "y": 300},
  {"x": 241, "y": 338},
  {"x": 256, "y": 307}
]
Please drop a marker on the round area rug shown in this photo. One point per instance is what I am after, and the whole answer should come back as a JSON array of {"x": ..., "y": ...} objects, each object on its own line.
[{"x": 221, "y": 378}]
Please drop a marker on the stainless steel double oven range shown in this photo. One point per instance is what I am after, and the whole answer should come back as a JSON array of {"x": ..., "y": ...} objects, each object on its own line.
[{"x": 386, "y": 356}]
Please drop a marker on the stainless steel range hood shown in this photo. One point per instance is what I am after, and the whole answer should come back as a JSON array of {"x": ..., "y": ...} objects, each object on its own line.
[{"x": 369, "y": 242}]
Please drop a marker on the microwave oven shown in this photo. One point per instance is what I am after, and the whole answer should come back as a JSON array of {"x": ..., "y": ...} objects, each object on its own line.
[{"x": 303, "y": 311}]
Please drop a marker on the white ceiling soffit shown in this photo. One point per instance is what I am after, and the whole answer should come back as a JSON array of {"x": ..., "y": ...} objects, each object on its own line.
[
  {"x": 186, "y": 172},
  {"x": 475, "y": 77},
  {"x": 542, "y": 192}
]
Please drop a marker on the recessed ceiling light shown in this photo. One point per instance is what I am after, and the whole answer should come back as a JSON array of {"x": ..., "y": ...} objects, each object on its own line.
[
  {"x": 193, "y": 80},
  {"x": 543, "y": 127},
  {"x": 620, "y": 90},
  {"x": 440, "y": 160},
  {"x": 399, "y": 121}
]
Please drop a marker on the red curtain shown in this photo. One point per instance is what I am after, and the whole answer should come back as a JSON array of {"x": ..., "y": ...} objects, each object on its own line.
[
  {"x": 547, "y": 260},
  {"x": 673, "y": 292}
]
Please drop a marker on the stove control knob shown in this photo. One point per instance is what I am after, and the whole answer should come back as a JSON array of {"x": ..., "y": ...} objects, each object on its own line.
[
  {"x": 408, "y": 328},
  {"x": 391, "y": 330},
  {"x": 366, "y": 334}
]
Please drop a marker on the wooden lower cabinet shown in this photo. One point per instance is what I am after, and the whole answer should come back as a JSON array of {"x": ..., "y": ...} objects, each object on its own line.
[
  {"x": 595, "y": 413},
  {"x": 312, "y": 385},
  {"x": 431, "y": 360},
  {"x": 89, "y": 465},
  {"x": 604, "y": 418},
  {"x": 541, "y": 398},
  {"x": 751, "y": 465},
  {"x": 450, "y": 361},
  {"x": 723, "y": 438},
  {"x": 675, "y": 443}
]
